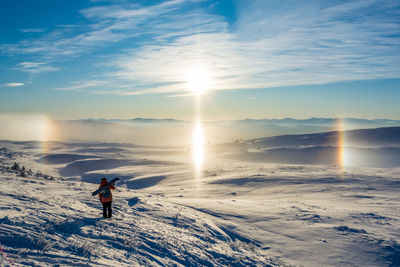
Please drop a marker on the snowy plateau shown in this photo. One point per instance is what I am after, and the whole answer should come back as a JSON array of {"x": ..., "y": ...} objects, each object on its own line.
[{"x": 281, "y": 201}]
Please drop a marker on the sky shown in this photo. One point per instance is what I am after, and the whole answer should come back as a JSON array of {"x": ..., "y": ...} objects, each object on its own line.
[{"x": 253, "y": 58}]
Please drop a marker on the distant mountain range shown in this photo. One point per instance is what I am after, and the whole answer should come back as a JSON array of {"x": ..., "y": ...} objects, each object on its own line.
[
  {"x": 285, "y": 121},
  {"x": 223, "y": 131},
  {"x": 361, "y": 137},
  {"x": 137, "y": 120},
  {"x": 378, "y": 147},
  {"x": 152, "y": 131}
]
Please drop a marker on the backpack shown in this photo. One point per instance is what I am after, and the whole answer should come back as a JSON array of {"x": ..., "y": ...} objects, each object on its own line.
[{"x": 106, "y": 193}]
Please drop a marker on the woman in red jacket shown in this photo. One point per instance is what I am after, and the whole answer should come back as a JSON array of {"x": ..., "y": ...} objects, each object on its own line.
[{"x": 106, "y": 198}]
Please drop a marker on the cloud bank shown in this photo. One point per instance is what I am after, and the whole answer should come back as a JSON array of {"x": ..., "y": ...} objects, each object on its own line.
[{"x": 13, "y": 84}]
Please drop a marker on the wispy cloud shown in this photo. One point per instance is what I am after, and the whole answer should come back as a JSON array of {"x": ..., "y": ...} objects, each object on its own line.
[
  {"x": 295, "y": 45},
  {"x": 13, "y": 84},
  {"x": 82, "y": 85},
  {"x": 110, "y": 24},
  {"x": 36, "y": 67},
  {"x": 279, "y": 43},
  {"x": 34, "y": 30}
]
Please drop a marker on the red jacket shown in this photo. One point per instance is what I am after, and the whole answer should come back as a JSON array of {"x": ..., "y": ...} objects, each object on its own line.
[{"x": 108, "y": 199}]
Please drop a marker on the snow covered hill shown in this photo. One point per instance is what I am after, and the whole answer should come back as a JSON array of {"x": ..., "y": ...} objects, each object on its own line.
[
  {"x": 166, "y": 213},
  {"x": 57, "y": 222},
  {"x": 363, "y": 147}
]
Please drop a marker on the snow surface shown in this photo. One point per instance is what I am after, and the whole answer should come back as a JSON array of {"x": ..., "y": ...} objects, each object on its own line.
[{"x": 231, "y": 213}]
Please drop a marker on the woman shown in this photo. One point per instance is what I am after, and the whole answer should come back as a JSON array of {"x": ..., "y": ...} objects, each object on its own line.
[{"x": 106, "y": 197}]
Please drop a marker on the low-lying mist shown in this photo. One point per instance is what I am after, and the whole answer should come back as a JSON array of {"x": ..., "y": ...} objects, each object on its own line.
[{"x": 166, "y": 132}]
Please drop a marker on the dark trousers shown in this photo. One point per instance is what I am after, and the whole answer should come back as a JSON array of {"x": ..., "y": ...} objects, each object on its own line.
[{"x": 107, "y": 206}]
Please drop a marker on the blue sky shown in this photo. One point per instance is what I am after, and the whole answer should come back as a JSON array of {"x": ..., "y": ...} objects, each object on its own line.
[{"x": 262, "y": 59}]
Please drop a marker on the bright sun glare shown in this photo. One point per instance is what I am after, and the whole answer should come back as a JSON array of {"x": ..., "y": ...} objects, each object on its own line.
[{"x": 198, "y": 80}]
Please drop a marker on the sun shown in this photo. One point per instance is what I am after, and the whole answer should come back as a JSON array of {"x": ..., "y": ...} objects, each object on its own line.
[{"x": 198, "y": 80}]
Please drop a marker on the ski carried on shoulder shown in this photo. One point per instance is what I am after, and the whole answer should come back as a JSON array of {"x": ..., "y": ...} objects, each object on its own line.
[{"x": 101, "y": 189}]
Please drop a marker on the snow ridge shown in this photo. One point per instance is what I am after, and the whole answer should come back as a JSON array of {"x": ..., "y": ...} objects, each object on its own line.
[{"x": 55, "y": 222}]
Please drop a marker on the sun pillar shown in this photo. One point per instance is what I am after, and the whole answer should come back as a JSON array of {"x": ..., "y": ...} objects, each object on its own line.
[
  {"x": 198, "y": 82},
  {"x": 198, "y": 140}
]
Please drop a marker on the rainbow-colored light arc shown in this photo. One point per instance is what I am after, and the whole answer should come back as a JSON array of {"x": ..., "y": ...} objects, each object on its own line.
[
  {"x": 342, "y": 160},
  {"x": 47, "y": 132}
]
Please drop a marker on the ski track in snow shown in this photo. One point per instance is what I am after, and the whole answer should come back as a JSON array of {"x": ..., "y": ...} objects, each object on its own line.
[{"x": 233, "y": 214}]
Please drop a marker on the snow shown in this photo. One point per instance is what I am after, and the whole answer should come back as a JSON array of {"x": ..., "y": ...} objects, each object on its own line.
[{"x": 233, "y": 212}]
